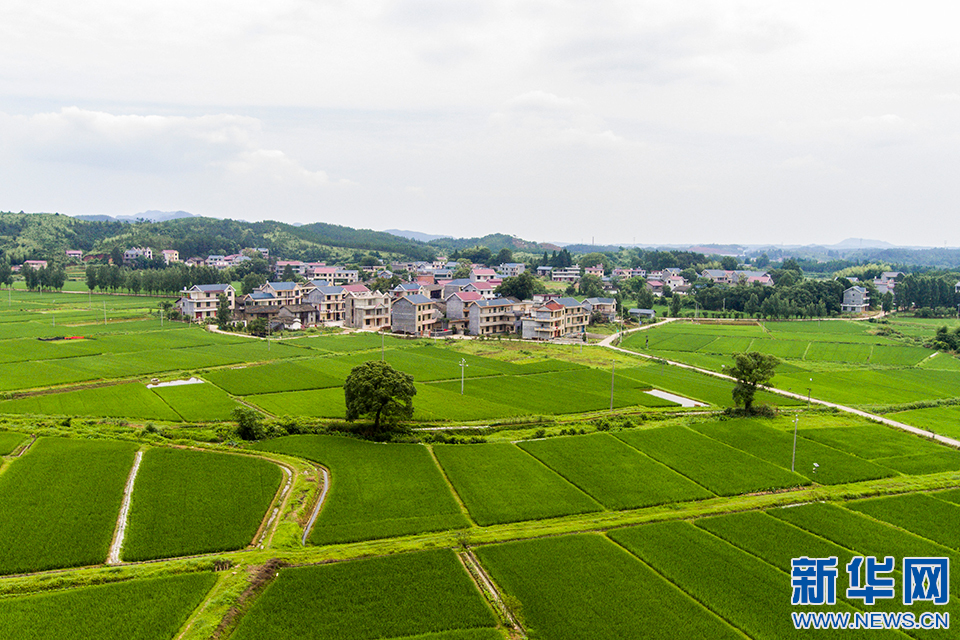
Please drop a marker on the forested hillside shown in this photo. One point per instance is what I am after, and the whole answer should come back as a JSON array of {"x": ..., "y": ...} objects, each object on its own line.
[{"x": 45, "y": 235}]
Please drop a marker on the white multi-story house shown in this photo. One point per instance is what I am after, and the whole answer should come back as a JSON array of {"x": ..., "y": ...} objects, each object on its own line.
[
  {"x": 200, "y": 301},
  {"x": 511, "y": 269},
  {"x": 569, "y": 274},
  {"x": 131, "y": 255},
  {"x": 329, "y": 301}
]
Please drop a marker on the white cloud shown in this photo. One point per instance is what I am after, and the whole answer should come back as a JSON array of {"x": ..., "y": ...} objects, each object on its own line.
[
  {"x": 545, "y": 118},
  {"x": 152, "y": 143}
]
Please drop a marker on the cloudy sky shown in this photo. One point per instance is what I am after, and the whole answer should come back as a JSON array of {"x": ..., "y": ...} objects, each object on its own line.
[{"x": 620, "y": 122}]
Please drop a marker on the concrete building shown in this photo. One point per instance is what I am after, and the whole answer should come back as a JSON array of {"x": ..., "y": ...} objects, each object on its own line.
[
  {"x": 414, "y": 314},
  {"x": 855, "y": 300},
  {"x": 365, "y": 309},
  {"x": 488, "y": 317}
]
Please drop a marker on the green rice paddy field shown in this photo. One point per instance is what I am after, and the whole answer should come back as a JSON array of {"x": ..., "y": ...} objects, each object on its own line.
[
  {"x": 60, "y": 501},
  {"x": 134, "y": 610},
  {"x": 405, "y": 596},
  {"x": 190, "y": 502}
]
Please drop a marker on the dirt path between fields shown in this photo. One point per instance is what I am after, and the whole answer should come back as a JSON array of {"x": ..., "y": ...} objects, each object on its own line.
[
  {"x": 114, "y": 556},
  {"x": 951, "y": 442},
  {"x": 485, "y": 584},
  {"x": 316, "y": 509}
]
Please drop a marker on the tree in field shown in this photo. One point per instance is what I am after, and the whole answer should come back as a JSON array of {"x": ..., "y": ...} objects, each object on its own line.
[
  {"x": 29, "y": 276},
  {"x": 376, "y": 389},
  {"x": 248, "y": 424},
  {"x": 223, "y": 312},
  {"x": 675, "y": 303},
  {"x": 6, "y": 273},
  {"x": 752, "y": 370},
  {"x": 258, "y": 327},
  {"x": 521, "y": 287}
]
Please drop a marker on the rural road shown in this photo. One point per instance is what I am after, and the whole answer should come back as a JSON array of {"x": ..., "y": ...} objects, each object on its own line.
[{"x": 608, "y": 342}]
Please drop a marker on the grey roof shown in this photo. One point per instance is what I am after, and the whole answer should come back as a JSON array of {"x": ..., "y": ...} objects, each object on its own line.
[
  {"x": 328, "y": 290},
  {"x": 211, "y": 288},
  {"x": 407, "y": 286},
  {"x": 415, "y": 298},
  {"x": 601, "y": 300},
  {"x": 570, "y": 302},
  {"x": 496, "y": 302},
  {"x": 283, "y": 286},
  {"x": 460, "y": 282},
  {"x": 262, "y": 295}
]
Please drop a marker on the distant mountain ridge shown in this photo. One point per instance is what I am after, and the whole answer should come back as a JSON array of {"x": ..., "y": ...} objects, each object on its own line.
[
  {"x": 149, "y": 216},
  {"x": 415, "y": 235}
]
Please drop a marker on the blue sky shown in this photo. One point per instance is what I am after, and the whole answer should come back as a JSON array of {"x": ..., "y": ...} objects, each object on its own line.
[{"x": 558, "y": 121}]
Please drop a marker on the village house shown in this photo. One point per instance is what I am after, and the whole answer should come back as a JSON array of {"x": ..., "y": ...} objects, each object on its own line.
[
  {"x": 487, "y": 317},
  {"x": 575, "y": 316},
  {"x": 855, "y": 300},
  {"x": 365, "y": 309},
  {"x": 511, "y": 269},
  {"x": 738, "y": 276},
  {"x": 200, "y": 301},
  {"x": 570, "y": 274},
  {"x": 606, "y": 307},
  {"x": 457, "y": 303},
  {"x": 482, "y": 275},
  {"x": 284, "y": 293},
  {"x": 297, "y": 266},
  {"x": 35, "y": 264},
  {"x": 414, "y": 314},
  {"x": 328, "y": 301},
  {"x": 485, "y": 289},
  {"x": 544, "y": 323},
  {"x": 170, "y": 255},
  {"x": 454, "y": 286},
  {"x": 74, "y": 254},
  {"x": 333, "y": 275},
  {"x": 406, "y": 288},
  {"x": 134, "y": 253},
  {"x": 297, "y": 316},
  {"x": 545, "y": 272},
  {"x": 595, "y": 271}
]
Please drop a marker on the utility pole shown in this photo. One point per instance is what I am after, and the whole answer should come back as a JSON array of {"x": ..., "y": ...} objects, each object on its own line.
[
  {"x": 463, "y": 365},
  {"x": 104, "y": 313},
  {"x": 381, "y": 350}
]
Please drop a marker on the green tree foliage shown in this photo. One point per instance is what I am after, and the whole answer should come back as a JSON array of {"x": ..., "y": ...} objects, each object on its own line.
[
  {"x": 249, "y": 424},
  {"x": 6, "y": 273},
  {"x": 729, "y": 263},
  {"x": 91, "y": 276},
  {"x": 258, "y": 327},
  {"x": 521, "y": 287},
  {"x": 250, "y": 282},
  {"x": 675, "y": 303},
  {"x": 376, "y": 389},
  {"x": 30, "y": 276},
  {"x": 591, "y": 286},
  {"x": 752, "y": 370},
  {"x": 288, "y": 274},
  {"x": 463, "y": 268},
  {"x": 223, "y": 312},
  {"x": 505, "y": 255},
  {"x": 945, "y": 340}
]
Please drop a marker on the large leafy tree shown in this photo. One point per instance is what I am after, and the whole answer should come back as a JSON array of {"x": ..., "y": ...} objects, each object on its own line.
[
  {"x": 521, "y": 287},
  {"x": 752, "y": 370},
  {"x": 378, "y": 390}
]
